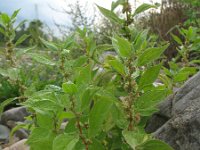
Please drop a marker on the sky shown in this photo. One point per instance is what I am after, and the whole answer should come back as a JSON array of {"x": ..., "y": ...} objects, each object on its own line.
[{"x": 45, "y": 12}]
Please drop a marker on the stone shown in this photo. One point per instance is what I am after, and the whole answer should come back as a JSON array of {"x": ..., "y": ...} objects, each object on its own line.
[
  {"x": 16, "y": 115},
  {"x": 21, "y": 134},
  {"x": 20, "y": 145},
  {"x": 4, "y": 134},
  {"x": 178, "y": 121}
]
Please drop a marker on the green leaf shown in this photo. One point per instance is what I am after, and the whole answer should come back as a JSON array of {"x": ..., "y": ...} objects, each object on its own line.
[
  {"x": 22, "y": 51},
  {"x": 20, "y": 24},
  {"x": 43, "y": 106},
  {"x": 41, "y": 59},
  {"x": 98, "y": 114},
  {"x": 184, "y": 74},
  {"x": 194, "y": 62},
  {"x": 143, "y": 8},
  {"x": 38, "y": 134},
  {"x": 45, "y": 121},
  {"x": 146, "y": 103},
  {"x": 87, "y": 96},
  {"x": 154, "y": 145},
  {"x": 71, "y": 126},
  {"x": 149, "y": 76},
  {"x": 15, "y": 14},
  {"x": 5, "y": 19},
  {"x": 140, "y": 40},
  {"x": 2, "y": 31},
  {"x": 41, "y": 138},
  {"x": 66, "y": 115},
  {"x": 122, "y": 46},
  {"x": 150, "y": 55},
  {"x": 69, "y": 87},
  {"x": 133, "y": 138},
  {"x": 12, "y": 73},
  {"x": 116, "y": 4},
  {"x": 104, "y": 47},
  {"x": 119, "y": 116},
  {"x": 80, "y": 61},
  {"x": 177, "y": 39},
  {"x": 96, "y": 145},
  {"x": 65, "y": 142},
  {"x": 118, "y": 66},
  {"x": 4, "y": 72},
  {"x": 83, "y": 75},
  {"x": 21, "y": 39},
  {"x": 49, "y": 45},
  {"x": 5, "y": 103},
  {"x": 110, "y": 15}
]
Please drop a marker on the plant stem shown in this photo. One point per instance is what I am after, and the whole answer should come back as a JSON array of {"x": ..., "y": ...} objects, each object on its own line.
[
  {"x": 130, "y": 96},
  {"x": 78, "y": 125}
]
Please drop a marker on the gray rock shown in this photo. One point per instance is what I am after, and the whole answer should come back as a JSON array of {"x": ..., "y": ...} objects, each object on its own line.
[
  {"x": 21, "y": 134},
  {"x": 4, "y": 134},
  {"x": 178, "y": 121},
  {"x": 15, "y": 114},
  {"x": 18, "y": 146}
]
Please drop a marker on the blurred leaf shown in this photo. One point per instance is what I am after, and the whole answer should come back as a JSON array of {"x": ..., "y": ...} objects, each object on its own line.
[
  {"x": 110, "y": 15},
  {"x": 2, "y": 31},
  {"x": 69, "y": 87},
  {"x": 104, "y": 47},
  {"x": 15, "y": 14},
  {"x": 49, "y": 45},
  {"x": 149, "y": 76},
  {"x": 41, "y": 138},
  {"x": 116, "y": 4},
  {"x": 98, "y": 115},
  {"x": 96, "y": 145},
  {"x": 65, "y": 142},
  {"x": 5, "y": 103},
  {"x": 140, "y": 40},
  {"x": 66, "y": 115},
  {"x": 143, "y": 8},
  {"x": 146, "y": 103},
  {"x": 118, "y": 66},
  {"x": 5, "y": 19},
  {"x": 21, "y": 39},
  {"x": 184, "y": 74},
  {"x": 177, "y": 39},
  {"x": 122, "y": 46},
  {"x": 22, "y": 51},
  {"x": 154, "y": 145},
  {"x": 12, "y": 73},
  {"x": 87, "y": 96},
  {"x": 80, "y": 61},
  {"x": 133, "y": 138},
  {"x": 41, "y": 59},
  {"x": 43, "y": 106},
  {"x": 150, "y": 55},
  {"x": 20, "y": 24}
]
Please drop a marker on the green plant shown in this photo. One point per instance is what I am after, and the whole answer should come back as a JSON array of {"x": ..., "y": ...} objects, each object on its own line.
[
  {"x": 17, "y": 75},
  {"x": 184, "y": 64},
  {"x": 106, "y": 102}
]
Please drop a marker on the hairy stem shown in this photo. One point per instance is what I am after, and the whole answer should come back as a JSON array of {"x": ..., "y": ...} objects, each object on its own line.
[{"x": 78, "y": 125}]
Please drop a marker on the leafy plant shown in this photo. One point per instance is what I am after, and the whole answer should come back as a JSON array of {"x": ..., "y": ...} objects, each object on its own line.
[
  {"x": 17, "y": 76},
  {"x": 106, "y": 102},
  {"x": 95, "y": 100},
  {"x": 182, "y": 66}
]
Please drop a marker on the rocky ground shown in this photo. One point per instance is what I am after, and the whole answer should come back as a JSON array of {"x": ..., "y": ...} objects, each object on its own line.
[
  {"x": 178, "y": 121},
  {"x": 9, "y": 120}
]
